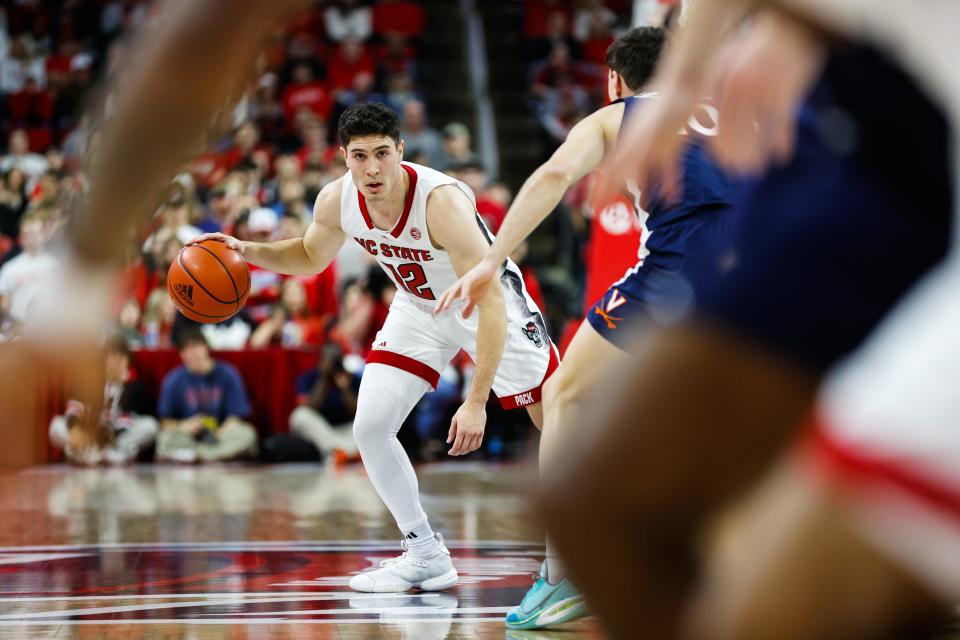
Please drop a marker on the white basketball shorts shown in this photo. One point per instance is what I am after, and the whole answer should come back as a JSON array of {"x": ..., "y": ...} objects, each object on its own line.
[{"x": 417, "y": 341}]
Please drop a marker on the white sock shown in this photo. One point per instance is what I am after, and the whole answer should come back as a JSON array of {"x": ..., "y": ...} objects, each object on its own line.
[
  {"x": 421, "y": 541},
  {"x": 555, "y": 569}
]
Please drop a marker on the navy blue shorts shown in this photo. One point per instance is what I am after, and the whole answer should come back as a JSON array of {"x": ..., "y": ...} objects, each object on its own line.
[
  {"x": 659, "y": 290},
  {"x": 829, "y": 243}
]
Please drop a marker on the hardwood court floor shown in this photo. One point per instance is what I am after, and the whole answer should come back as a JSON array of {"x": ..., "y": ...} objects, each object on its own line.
[{"x": 253, "y": 552}]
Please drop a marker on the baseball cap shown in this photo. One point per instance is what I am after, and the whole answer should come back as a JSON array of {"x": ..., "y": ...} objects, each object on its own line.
[{"x": 262, "y": 219}]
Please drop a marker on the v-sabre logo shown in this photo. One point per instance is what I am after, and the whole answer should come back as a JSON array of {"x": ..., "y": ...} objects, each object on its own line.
[{"x": 185, "y": 291}]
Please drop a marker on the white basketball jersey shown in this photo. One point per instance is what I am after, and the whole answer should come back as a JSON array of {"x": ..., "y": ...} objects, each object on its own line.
[{"x": 405, "y": 252}]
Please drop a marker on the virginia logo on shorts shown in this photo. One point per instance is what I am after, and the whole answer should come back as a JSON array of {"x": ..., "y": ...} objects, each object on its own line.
[
  {"x": 532, "y": 331},
  {"x": 615, "y": 300},
  {"x": 185, "y": 291}
]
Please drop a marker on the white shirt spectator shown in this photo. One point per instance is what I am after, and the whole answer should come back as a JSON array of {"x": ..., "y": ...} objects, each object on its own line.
[
  {"x": 33, "y": 165},
  {"x": 584, "y": 17},
  {"x": 22, "y": 279},
  {"x": 342, "y": 24}
]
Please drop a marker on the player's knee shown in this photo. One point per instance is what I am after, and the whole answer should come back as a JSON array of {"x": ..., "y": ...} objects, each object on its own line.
[
  {"x": 367, "y": 434},
  {"x": 559, "y": 390}
]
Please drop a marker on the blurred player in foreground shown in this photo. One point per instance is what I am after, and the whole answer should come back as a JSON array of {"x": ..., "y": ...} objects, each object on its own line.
[
  {"x": 726, "y": 391},
  {"x": 423, "y": 229},
  {"x": 185, "y": 70},
  {"x": 695, "y": 228}
]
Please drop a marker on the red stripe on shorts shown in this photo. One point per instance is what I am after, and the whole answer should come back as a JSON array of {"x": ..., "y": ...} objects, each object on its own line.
[
  {"x": 417, "y": 368},
  {"x": 843, "y": 464},
  {"x": 533, "y": 396}
]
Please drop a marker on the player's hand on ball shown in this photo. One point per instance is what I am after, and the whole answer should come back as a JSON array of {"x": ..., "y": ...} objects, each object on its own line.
[
  {"x": 472, "y": 287},
  {"x": 466, "y": 428},
  {"x": 230, "y": 241}
]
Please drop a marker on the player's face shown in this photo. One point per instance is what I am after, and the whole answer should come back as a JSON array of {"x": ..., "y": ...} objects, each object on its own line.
[{"x": 374, "y": 162}]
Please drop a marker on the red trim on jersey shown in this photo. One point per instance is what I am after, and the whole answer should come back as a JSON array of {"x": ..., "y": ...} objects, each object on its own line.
[
  {"x": 363, "y": 209},
  {"x": 417, "y": 368},
  {"x": 843, "y": 464},
  {"x": 533, "y": 396},
  {"x": 407, "y": 202}
]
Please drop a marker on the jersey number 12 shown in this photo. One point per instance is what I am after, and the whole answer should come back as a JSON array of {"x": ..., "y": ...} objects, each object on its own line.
[{"x": 411, "y": 277}]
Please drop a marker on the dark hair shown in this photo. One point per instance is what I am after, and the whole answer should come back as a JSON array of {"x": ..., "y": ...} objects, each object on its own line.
[
  {"x": 634, "y": 55},
  {"x": 116, "y": 343},
  {"x": 368, "y": 119},
  {"x": 190, "y": 335}
]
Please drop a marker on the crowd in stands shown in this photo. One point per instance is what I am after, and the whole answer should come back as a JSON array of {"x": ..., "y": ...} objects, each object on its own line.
[
  {"x": 256, "y": 181},
  {"x": 565, "y": 45}
]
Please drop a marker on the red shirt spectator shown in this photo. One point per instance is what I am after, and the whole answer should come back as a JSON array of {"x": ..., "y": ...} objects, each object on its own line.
[
  {"x": 350, "y": 60},
  {"x": 398, "y": 16},
  {"x": 304, "y": 91},
  {"x": 395, "y": 55},
  {"x": 536, "y": 16},
  {"x": 208, "y": 169},
  {"x": 31, "y": 106}
]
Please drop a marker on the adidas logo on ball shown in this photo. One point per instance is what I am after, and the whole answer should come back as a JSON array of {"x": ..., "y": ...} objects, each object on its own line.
[{"x": 185, "y": 291}]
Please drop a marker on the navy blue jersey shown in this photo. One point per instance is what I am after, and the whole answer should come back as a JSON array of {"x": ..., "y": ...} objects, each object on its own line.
[
  {"x": 706, "y": 191},
  {"x": 692, "y": 234},
  {"x": 830, "y": 241}
]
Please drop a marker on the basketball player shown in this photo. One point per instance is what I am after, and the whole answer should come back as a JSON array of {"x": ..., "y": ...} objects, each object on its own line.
[
  {"x": 726, "y": 390},
  {"x": 423, "y": 229},
  {"x": 674, "y": 234},
  {"x": 189, "y": 66}
]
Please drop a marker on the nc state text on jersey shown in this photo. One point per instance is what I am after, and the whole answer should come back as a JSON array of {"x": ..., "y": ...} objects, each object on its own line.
[{"x": 393, "y": 251}]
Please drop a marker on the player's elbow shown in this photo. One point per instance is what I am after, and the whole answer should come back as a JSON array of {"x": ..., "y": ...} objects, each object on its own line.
[{"x": 559, "y": 173}]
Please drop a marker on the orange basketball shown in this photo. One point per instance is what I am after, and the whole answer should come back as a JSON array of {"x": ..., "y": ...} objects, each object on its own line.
[{"x": 208, "y": 281}]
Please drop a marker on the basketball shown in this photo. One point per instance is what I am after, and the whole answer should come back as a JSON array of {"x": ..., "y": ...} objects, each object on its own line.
[{"x": 208, "y": 281}]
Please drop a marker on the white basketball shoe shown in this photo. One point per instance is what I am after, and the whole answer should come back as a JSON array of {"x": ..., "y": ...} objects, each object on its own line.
[{"x": 432, "y": 573}]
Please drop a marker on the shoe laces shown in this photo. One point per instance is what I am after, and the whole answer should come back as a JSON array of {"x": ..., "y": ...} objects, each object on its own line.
[{"x": 404, "y": 557}]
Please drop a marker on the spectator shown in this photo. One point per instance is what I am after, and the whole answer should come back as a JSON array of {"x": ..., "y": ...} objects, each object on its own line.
[
  {"x": 19, "y": 156},
  {"x": 560, "y": 110},
  {"x": 219, "y": 211},
  {"x": 560, "y": 69},
  {"x": 175, "y": 222},
  {"x": 395, "y": 55},
  {"x": 400, "y": 90},
  {"x": 246, "y": 141},
  {"x": 21, "y": 63},
  {"x": 348, "y": 19},
  {"x": 419, "y": 137},
  {"x": 472, "y": 173},
  {"x": 22, "y": 278},
  {"x": 292, "y": 323},
  {"x": 557, "y": 32},
  {"x": 349, "y": 60},
  {"x": 126, "y": 428},
  {"x": 590, "y": 15},
  {"x": 31, "y": 106},
  {"x": 398, "y": 16},
  {"x": 457, "y": 144},
  {"x": 492, "y": 205},
  {"x": 536, "y": 16},
  {"x": 159, "y": 315},
  {"x": 306, "y": 91},
  {"x": 361, "y": 91},
  {"x": 128, "y": 323},
  {"x": 203, "y": 407},
  {"x": 266, "y": 109},
  {"x": 358, "y": 320},
  {"x": 316, "y": 148},
  {"x": 598, "y": 40},
  {"x": 327, "y": 399},
  {"x": 261, "y": 225}
]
